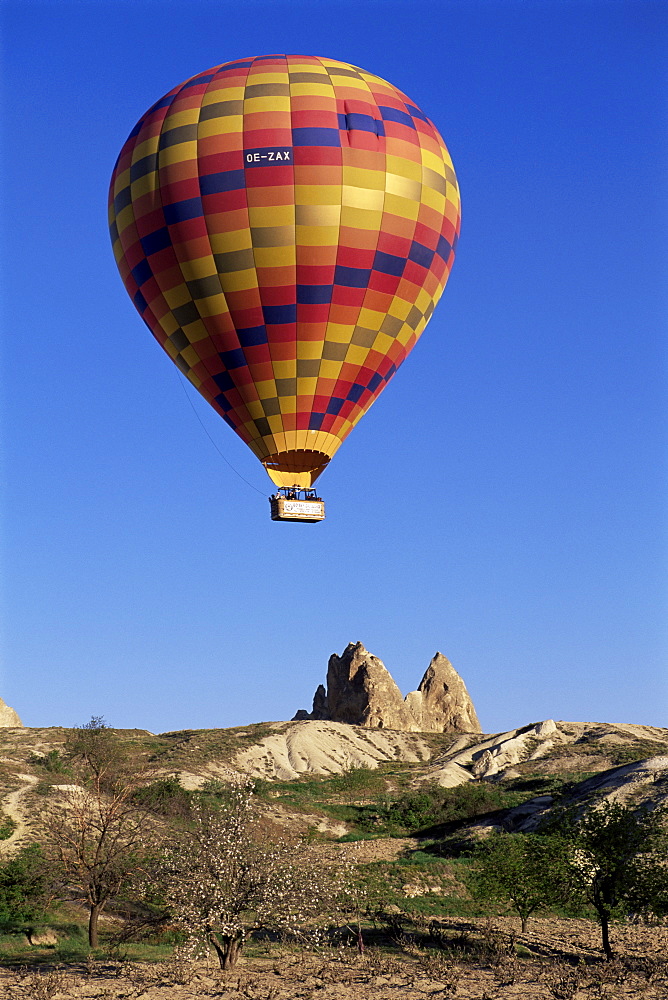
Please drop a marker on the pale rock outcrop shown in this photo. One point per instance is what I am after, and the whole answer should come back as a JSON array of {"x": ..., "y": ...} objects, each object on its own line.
[
  {"x": 8, "y": 717},
  {"x": 361, "y": 692},
  {"x": 319, "y": 747},
  {"x": 441, "y": 703},
  {"x": 41, "y": 939},
  {"x": 495, "y": 754},
  {"x": 484, "y": 765},
  {"x": 644, "y": 782}
]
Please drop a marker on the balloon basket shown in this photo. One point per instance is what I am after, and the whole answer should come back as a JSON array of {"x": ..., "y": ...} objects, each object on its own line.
[{"x": 295, "y": 503}]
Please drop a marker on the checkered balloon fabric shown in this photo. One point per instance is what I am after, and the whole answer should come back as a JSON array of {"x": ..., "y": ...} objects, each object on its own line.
[{"x": 284, "y": 226}]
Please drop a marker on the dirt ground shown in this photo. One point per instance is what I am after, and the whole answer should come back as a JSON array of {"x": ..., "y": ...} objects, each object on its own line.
[{"x": 560, "y": 960}]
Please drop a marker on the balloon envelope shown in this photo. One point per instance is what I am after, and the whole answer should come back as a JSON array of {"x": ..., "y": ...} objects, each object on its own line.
[{"x": 285, "y": 226}]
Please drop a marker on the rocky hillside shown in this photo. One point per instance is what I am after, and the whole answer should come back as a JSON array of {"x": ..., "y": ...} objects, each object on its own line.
[{"x": 617, "y": 761}]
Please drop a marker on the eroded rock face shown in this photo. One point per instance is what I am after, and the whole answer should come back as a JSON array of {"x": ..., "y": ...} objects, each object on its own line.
[
  {"x": 8, "y": 717},
  {"x": 442, "y": 701},
  {"x": 361, "y": 692}
]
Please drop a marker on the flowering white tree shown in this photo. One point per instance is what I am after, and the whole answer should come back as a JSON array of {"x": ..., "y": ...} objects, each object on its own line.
[{"x": 223, "y": 882}]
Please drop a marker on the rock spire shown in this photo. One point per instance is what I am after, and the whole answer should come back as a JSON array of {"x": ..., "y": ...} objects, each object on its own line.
[{"x": 361, "y": 692}]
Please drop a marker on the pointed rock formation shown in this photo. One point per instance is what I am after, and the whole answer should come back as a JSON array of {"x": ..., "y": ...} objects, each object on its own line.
[
  {"x": 441, "y": 703},
  {"x": 320, "y": 703},
  {"x": 361, "y": 692},
  {"x": 8, "y": 717}
]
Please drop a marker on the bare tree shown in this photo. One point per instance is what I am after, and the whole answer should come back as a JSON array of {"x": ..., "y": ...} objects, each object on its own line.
[
  {"x": 223, "y": 882},
  {"x": 94, "y": 830}
]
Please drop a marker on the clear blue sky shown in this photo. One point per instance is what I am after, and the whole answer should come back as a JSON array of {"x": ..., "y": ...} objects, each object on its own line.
[{"x": 504, "y": 501}]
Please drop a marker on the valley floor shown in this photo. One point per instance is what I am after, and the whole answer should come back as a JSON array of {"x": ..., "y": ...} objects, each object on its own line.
[{"x": 559, "y": 960}]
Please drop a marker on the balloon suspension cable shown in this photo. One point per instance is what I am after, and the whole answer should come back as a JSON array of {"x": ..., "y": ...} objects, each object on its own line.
[{"x": 227, "y": 462}]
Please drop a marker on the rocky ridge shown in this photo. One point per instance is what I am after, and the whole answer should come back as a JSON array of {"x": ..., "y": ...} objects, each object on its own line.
[
  {"x": 301, "y": 748},
  {"x": 361, "y": 692},
  {"x": 616, "y": 761}
]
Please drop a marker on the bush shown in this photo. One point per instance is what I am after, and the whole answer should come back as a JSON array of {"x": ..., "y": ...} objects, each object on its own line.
[
  {"x": 357, "y": 782},
  {"x": 431, "y": 806},
  {"x": 7, "y": 826},
  {"x": 165, "y": 797},
  {"x": 53, "y": 762},
  {"x": 24, "y": 883}
]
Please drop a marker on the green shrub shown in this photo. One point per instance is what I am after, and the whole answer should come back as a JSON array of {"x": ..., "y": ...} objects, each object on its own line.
[
  {"x": 357, "y": 781},
  {"x": 53, "y": 762},
  {"x": 7, "y": 826},
  {"x": 214, "y": 788},
  {"x": 24, "y": 882},
  {"x": 165, "y": 797},
  {"x": 430, "y": 806},
  {"x": 641, "y": 750}
]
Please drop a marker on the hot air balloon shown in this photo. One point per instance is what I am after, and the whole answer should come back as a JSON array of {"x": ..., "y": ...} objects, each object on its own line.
[{"x": 285, "y": 226}]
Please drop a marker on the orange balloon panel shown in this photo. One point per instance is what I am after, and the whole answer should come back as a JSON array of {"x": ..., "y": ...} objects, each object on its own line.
[{"x": 285, "y": 226}]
